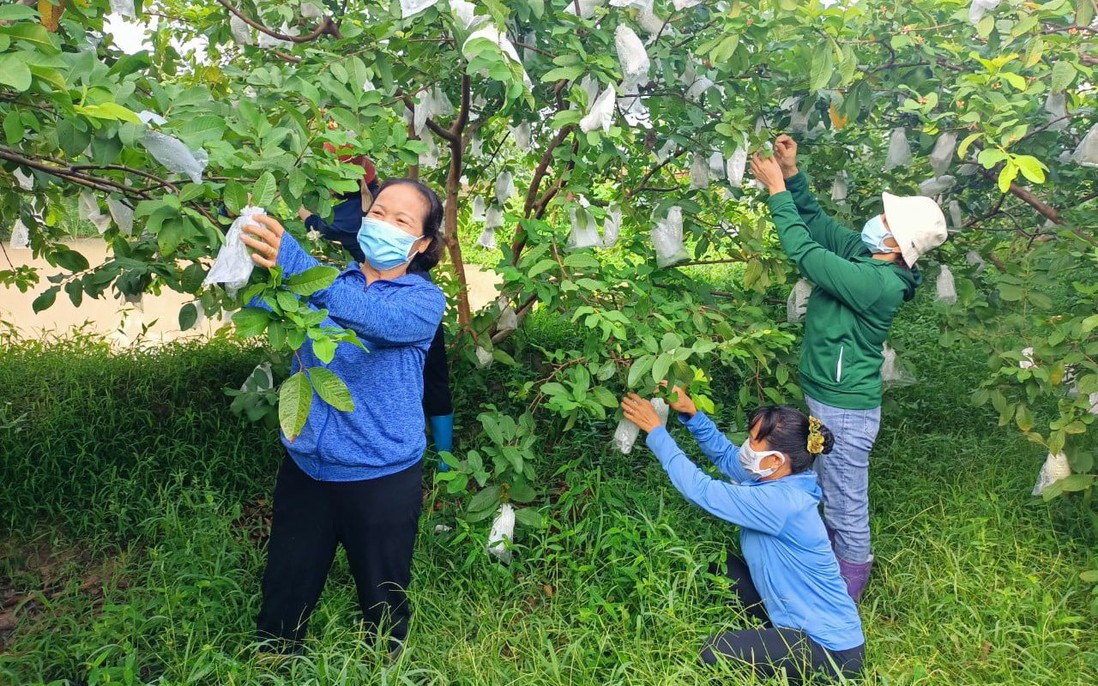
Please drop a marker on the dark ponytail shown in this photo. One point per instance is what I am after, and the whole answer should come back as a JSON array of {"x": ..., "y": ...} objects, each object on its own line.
[
  {"x": 785, "y": 429},
  {"x": 432, "y": 225}
]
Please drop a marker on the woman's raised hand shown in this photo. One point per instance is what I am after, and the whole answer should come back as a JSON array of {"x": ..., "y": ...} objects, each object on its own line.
[
  {"x": 785, "y": 151},
  {"x": 264, "y": 236},
  {"x": 680, "y": 402},
  {"x": 640, "y": 412}
]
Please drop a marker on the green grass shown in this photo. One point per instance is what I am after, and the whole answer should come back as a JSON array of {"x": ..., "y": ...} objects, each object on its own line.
[{"x": 132, "y": 513}]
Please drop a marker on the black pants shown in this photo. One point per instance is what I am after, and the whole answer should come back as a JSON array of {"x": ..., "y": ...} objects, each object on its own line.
[
  {"x": 437, "y": 401},
  {"x": 770, "y": 649},
  {"x": 375, "y": 520}
]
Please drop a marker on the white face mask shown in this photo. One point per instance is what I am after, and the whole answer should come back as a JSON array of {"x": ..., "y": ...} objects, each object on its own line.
[{"x": 751, "y": 460}]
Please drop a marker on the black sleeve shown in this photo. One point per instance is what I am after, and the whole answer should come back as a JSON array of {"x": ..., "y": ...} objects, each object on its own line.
[{"x": 436, "y": 378}]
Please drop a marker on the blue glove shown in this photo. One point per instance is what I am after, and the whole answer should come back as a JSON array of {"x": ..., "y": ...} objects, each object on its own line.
[{"x": 442, "y": 431}]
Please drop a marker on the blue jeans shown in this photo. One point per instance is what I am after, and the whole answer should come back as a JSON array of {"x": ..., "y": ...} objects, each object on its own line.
[{"x": 844, "y": 476}]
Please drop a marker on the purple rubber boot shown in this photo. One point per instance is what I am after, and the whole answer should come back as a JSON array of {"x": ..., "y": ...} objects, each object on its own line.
[{"x": 856, "y": 576}]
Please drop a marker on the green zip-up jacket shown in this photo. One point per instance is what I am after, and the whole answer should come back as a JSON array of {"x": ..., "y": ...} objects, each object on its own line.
[{"x": 853, "y": 303}]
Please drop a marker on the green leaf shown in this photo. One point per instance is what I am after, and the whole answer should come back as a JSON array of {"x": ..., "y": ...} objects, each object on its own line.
[
  {"x": 203, "y": 129},
  {"x": 639, "y": 368},
  {"x": 565, "y": 73},
  {"x": 1031, "y": 168},
  {"x": 485, "y": 499},
  {"x": 1007, "y": 174},
  {"x": 312, "y": 280},
  {"x": 46, "y": 300},
  {"x": 331, "y": 389},
  {"x": 295, "y": 398},
  {"x": 529, "y": 517},
  {"x": 70, "y": 259},
  {"x": 13, "y": 128},
  {"x": 109, "y": 111},
  {"x": 16, "y": 12},
  {"x": 14, "y": 71},
  {"x": 661, "y": 366},
  {"x": 235, "y": 197},
  {"x": 1063, "y": 73},
  {"x": 263, "y": 192},
  {"x": 325, "y": 348},
  {"x": 542, "y": 266},
  {"x": 188, "y": 315},
  {"x": 1089, "y": 324},
  {"x": 823, "y": 66},
  {"x": 251, "y": 321},
  {"x": 35, "y": 34}
]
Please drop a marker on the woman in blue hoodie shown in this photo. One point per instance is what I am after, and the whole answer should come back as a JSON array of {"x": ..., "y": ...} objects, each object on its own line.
[
  {"x": 354, "y": 478},
  {"x": 343, "y": 229},
  {"x": 789, "y": 578}
]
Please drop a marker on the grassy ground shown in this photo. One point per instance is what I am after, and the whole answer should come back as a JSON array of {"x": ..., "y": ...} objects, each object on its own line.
[{"x": 133, "y": 512}]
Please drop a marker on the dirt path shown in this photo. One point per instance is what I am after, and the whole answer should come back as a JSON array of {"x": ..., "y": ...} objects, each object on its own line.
[{"x": 155, "y": 320}]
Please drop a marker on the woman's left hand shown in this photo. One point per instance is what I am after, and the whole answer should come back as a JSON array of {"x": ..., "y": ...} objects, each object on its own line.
[
  {"x": 264, "y": 236},
  {"x": 640, "y": 412},
  {"x": 768, "y": 172}
]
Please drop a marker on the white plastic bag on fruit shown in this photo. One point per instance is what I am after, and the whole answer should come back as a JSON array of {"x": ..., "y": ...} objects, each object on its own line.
[
  {"x": 955, "y": 219},
  {"x": 20, "y": 236},
  {"x": 1093, "y": 399},
  {"x": 942, "y": 154},
  {"x": 633, "y": 108},
  {"x": 234, "y": 265},
  {"x": 797, "y": 304},
  {"x": 892, "y": 374},
  {"x": 667, "y": 239},
  {"x": 979, "y": 8},
  {"x": 840, "y": 187},
  {"x": 632, "y": 55},
  {"x": 508, "y": 318},
  {"x": 148, "y": 117},
  {"x": 484, "y": 358},
  {"x": 25, "y": 182},
  {"x": 505, "y": 187},
  {"x": 586, "y": 7},
  {"x": 521, "y": 135},
  {"x": 945, "y": 287},
  {"x": 465, "y": 14},
  {"x": 89, "y": 211},
  {"x": 736, "y": 166},
  {"x": 642, "y": 5},
  {"x": 487, "y": 238},
  {"x": 476, "y": 146},
  {"x": 600, "y": 114},
  {"x": 937, "y": 185},
  {"x": 1087, "y": 152},
  {"x": 493, "y": 218},
  {"x": 429, "y": 157},
  {"x": 698, "y": 88},
  {"x": 585, "y": 230},
  {"x": 899, "y": 154},
  {"x": 312, "y": 9},
  {"x": 653, "y": 24},
  {"x": 1027, "y": 361},
  {"x": 491, "y": 33},
  {"x": 1056, "y": 467},
  {"x": 242, "y": 33},
  {"x": 122, "y": 214},
  {"x": 716, "y": 166},
  {"x": 666, "y": 150},
  {"x": 175, "y": 155},
  {"x": 699, "y": 172},
  {"x": 625, "y": 435},
  {"x": 410, "y": 8},
  {"x": 478, "y": 210},
  {"x": 502, "y": 533},
  {"x": 973, "y": 259},
  {"x": 684, "y": 4},
  {"x": 123, "y": 8},
  {"x": 798, "y": 119},
  {"x": 261, "y": 378},
  {"x": 611, "y": 227},
  {"x": 269, "y": 42},
  {"x": 1056, "y": 108}
]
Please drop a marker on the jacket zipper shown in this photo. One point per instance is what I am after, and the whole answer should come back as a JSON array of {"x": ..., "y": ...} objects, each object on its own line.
[{"x": 839, "y": 367}]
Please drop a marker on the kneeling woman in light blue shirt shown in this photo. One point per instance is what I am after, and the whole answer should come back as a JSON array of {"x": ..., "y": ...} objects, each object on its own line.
[{"x": 790, "y": 581}]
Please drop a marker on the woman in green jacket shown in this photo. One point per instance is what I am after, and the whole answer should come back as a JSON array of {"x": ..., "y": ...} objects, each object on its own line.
[{"x": 861, "y": 280}]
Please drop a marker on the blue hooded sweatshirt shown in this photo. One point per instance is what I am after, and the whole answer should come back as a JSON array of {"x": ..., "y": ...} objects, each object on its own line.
[
  {"x": 396, "y": 320},
  {"x": 781, "y": 534}
]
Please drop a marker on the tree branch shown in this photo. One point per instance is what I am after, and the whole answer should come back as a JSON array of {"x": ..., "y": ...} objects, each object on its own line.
[{"x": 326, "y": 26}]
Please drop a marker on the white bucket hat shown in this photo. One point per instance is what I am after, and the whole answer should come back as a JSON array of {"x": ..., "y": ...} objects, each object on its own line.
[{"x": 916, "y": 222}]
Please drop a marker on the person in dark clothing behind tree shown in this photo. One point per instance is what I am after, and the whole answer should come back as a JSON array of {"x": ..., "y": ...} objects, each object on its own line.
[{"x": 343, "y": 229}]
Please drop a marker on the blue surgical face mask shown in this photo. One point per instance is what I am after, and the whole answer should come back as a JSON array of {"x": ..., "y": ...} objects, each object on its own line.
[
  {"x": 874, "y": 234},
  {"x": 751, "y": 460},
  {"x": 384, "y": 245}
]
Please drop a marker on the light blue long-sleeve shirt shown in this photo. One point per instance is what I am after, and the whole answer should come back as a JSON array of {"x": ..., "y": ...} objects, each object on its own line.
[
  {"x": 782, "y": 535},
  {"x": 396, "y": 320}
]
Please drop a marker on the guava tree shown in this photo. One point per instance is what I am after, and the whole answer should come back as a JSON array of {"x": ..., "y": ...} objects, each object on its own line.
[{"x": 600, "y": 144}]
